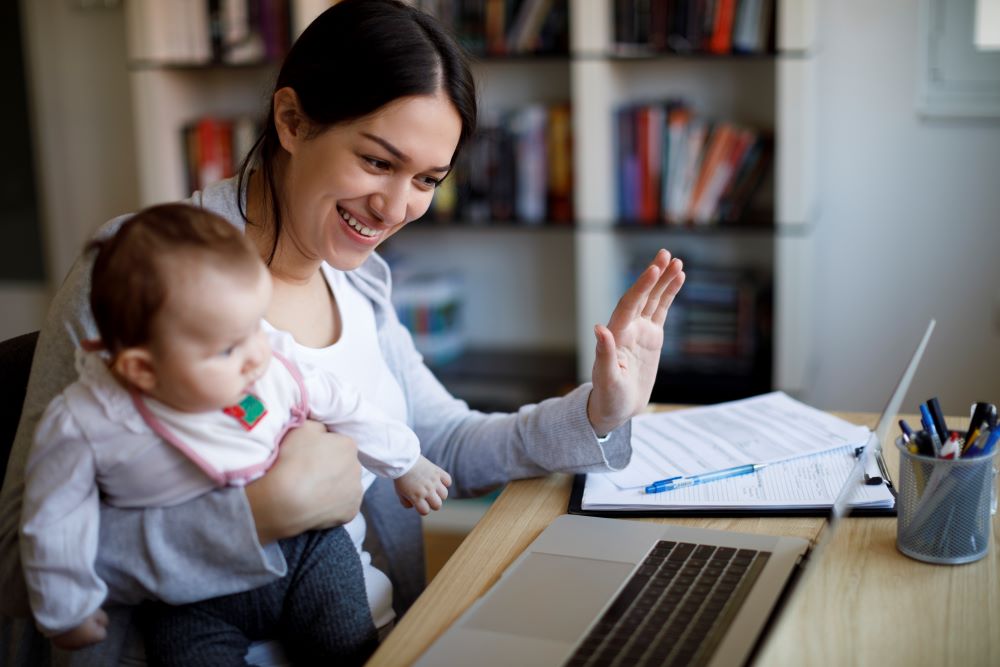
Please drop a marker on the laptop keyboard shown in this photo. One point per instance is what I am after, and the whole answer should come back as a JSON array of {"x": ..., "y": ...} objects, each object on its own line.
[{"x": 675, "y": 609}]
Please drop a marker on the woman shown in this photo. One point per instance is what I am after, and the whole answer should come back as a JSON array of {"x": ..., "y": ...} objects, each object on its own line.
[{"x": 370, "y": 108}]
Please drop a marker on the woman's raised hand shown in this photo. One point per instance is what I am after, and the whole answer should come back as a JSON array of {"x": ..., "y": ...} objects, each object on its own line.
[{"x": 628, "y": 348}]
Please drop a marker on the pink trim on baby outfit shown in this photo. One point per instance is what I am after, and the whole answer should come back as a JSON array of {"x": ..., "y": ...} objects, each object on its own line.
[{"x": 298, "y": 415}]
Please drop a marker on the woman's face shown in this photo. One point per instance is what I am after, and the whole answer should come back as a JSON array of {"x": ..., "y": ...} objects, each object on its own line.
[{"x": 356, "y": 184}]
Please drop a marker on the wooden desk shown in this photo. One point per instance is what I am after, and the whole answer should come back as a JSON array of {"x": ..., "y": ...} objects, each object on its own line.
[{"x": 863, "y": 603}]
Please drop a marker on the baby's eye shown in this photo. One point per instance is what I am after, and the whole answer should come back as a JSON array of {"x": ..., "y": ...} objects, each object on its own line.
[{"x": 228, "y": 351}]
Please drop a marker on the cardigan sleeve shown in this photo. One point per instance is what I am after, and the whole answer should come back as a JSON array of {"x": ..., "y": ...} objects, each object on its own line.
[{"x": 482, "y": 451}]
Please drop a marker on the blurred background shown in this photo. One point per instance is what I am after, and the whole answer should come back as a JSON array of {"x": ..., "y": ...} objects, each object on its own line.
[{"x": 828, "y": 170}]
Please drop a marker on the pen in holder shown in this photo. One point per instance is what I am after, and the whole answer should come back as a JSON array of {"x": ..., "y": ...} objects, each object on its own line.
[{"x": 944, "y": 506}]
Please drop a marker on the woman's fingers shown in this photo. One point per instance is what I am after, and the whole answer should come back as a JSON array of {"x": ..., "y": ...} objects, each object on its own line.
[
  {"x": 635, "y": 298},
  {"x": 667, "y": 298},
  {"x": 606, "y": 359},
  {"x": 670, "y": 273}
]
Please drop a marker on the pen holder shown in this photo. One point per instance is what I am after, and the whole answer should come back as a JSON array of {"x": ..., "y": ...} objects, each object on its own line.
[{"x": 944, "y": 506}]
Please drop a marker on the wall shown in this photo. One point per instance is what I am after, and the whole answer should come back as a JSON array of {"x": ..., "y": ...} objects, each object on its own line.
[
  {"x": 910, "y": 224},
  {"x": 82, "y": 127}
]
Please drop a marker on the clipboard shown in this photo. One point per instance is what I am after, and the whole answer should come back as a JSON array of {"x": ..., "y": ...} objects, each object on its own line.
[{"x": 580, "y": 481}]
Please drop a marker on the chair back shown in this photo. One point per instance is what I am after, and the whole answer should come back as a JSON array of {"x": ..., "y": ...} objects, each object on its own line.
[{"x": 15, "y": 366}]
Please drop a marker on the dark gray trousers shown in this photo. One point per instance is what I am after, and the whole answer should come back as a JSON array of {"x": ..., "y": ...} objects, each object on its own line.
[{"x": 318, "y": 611}]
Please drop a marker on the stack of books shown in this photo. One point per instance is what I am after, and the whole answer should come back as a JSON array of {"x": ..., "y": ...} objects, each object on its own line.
[
  {"x": 677, "y": 167},
  {"x": 430, "y": 306},
  {"x": 714, "y": 323},
  {"x": 718, "y": 27},
  {"x": 505, "y": 27},
  {"x": 204, "y": 32},
  {"x": 517, "y": 168},
  {"x": 215, "y": 147}
]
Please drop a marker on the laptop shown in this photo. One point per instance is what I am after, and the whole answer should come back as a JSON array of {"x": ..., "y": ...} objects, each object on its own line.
[{"x": 600, "y": 591}]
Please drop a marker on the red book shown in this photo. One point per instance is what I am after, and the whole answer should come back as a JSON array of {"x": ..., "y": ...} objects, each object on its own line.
[
  {"x": 721, "y": 40},
  {"x": 644, "y": 212}
]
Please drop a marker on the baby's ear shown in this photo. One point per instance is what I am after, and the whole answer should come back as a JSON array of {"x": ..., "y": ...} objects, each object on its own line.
[{"x": 135, "y": 366}]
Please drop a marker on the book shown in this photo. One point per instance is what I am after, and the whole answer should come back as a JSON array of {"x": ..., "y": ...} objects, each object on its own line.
[
  {"x": 529, "y": 127},
  {"x": 559, "y": 146},
  {"x": 215, "y": 147},
  {"x": 721, "y": 40}
]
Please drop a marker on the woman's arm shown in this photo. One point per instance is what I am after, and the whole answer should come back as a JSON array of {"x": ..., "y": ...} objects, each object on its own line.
[{"x": 483, "y": 451}]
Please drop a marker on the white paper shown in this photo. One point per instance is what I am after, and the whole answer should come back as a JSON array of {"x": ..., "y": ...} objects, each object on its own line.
[
  {"x": 804, "y": 482},
  {"x": 763, "y": 429}
]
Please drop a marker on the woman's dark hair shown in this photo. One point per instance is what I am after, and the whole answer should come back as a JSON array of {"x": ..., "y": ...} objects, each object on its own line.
[{"x": 355, "y": 58}]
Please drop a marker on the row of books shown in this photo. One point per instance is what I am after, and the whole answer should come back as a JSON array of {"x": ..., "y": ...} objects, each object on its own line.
[
  {"x": 714, "y": 324},
  {"x": 215, "y": 147},
  {"x": 201, "y": 32},
  {"x": 505, "y": 27},
  {"x": 694, "y": 26},
  {"x": 518, "y": 168},
  {"x": 430, "y": 306},
  {"x": 675, "y": 166}
]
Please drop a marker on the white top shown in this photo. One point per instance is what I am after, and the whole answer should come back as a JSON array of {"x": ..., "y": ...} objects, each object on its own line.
[{"x": 357, "y": 359}]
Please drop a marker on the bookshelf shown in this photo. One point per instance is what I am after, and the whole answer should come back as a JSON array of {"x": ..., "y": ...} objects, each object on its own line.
[
  {"x": 538, "y": 289},
  {"x": 773, "y": 91}
]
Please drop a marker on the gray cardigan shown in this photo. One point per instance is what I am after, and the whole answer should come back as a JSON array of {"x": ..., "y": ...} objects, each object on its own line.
[{"x": 190, "y": 558}]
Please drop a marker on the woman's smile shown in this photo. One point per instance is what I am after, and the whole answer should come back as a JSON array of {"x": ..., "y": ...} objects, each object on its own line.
[{"x": 367, "y": 234}]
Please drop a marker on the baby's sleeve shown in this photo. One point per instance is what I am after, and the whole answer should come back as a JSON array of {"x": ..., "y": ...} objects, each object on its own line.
[
  {"x": 60, "y": 524},
  {"x": 386, "y": 446}
]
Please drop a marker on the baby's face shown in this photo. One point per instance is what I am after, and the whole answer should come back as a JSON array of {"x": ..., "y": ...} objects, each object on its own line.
[{"x": 208, "y": 347}]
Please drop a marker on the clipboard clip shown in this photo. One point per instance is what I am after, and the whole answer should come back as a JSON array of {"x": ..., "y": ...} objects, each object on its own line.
[{"x": 875, "y": 480}]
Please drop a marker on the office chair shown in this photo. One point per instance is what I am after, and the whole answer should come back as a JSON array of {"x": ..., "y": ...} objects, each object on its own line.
[{"x": 15, "y": 366}]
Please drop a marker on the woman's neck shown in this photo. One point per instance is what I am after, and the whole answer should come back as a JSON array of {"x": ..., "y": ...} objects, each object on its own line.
[{"x": 287, "y": 264}]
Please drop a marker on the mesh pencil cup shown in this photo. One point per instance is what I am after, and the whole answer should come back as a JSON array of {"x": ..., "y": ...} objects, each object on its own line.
[{"x": 944, "y": 507}]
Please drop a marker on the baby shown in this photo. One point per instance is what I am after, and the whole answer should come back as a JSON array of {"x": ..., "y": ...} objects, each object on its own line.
[{"x": 187, "y": 392}]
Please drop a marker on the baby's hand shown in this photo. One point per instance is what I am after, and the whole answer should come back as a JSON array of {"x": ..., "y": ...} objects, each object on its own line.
[
  {"x": 424, "y": 486},
  {"x": 94, "y": 629}
]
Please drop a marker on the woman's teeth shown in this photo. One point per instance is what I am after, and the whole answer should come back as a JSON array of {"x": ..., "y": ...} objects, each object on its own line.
[{"x": 349, "y": 219}]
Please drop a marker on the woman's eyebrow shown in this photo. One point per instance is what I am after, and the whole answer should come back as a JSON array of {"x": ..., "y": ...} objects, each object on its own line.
[{"x": 398, "y": 154}]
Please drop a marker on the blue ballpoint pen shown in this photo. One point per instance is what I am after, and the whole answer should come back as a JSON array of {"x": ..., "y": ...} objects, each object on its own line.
[
  {"x": 681, "y": 482},
  {"x": 928, "y": 423}
]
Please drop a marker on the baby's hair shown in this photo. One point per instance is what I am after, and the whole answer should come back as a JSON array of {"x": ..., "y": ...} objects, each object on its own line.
[{"x": 129, "y": 282}]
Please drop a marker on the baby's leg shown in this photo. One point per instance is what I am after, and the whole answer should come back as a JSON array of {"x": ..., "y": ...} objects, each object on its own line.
[
  {"x": 214, "y": 632},
  {"x": 326, "y": 618}
]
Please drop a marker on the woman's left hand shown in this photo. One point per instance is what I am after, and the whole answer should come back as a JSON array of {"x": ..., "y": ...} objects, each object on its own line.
[{"x": 628, "y": 348}]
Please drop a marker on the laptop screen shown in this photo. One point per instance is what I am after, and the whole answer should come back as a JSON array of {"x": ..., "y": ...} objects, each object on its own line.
[{"x": 873, "y": 447}]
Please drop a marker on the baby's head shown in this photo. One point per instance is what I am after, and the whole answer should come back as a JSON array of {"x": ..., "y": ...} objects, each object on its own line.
[{"x": 178, "y": 295}]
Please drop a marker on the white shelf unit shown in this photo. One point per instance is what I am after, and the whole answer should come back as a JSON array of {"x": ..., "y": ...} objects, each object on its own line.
[
  {"x": 769, "y": 92},
  {"x": 541, "y": 288}
]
